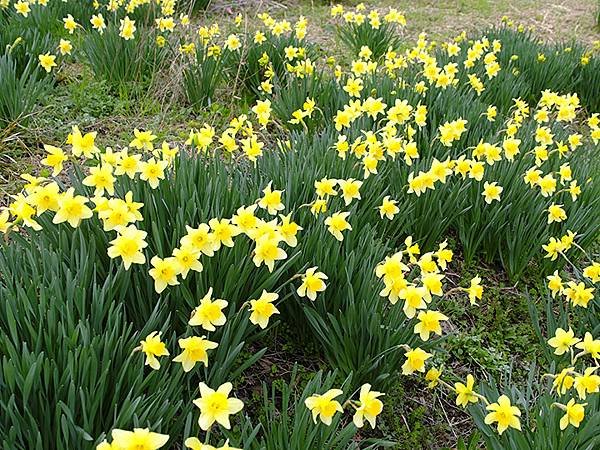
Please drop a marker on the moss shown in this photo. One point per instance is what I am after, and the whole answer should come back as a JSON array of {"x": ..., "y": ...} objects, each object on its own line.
[
  {"x": 496, "y": 334},
  {"x": 403, "y": 422}
]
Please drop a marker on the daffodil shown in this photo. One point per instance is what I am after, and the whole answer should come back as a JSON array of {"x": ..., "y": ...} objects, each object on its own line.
[
  {"x": 70, "y": 24},
  {"x": 98, "y": 23},
  {"x": 232, "y": 43},
  {"x": 319, "y": 206},
  {"x": 72, "y": 209},
  {"x": 263, "y": 308},
  {"x": 5, "y": 222},
  {"x": 54, "y": 159},
  {"x": 555, "y": 283},
  {"x": 22, "y": 8},
  {"x": 589, "y": 346},
  {"x": 200, "y": 239},
  {"x": 444, "y": 255},
  {"x": 47, "y": 61},
  {"x": 271, "y": 200},
  {"x": 245, "y": 218},
  {"x": 139, "y": 439},
  {"x": 369, "y": 406},
  {"x": 588, "y": 383},
  {"x": 556, "y": 213},
  {"x": 563, "y": 381},
  {"x": 267, "y": 251},
  {"x": 216, "y": 406},
  {"x": 164, "y": 272},
  {"x": 414, "y": 299},
  {"x": 312, "y": 283},
  {"x": 504, "y": 414},
  {"x": 127, "y": 29},
  {"x": 82, "y": 144},
  {"x": 592, "y": 272},
  {"x": 429, "y": 322},
  {"x": 128, "y": 245},
  {"x": 433, "y": 376},
  {"x": 188, "y": 259},
  {"x": 491, "y": 192},
  {"x": 153, "y": 171},
  {"x": 45, "y": 198},
  {"x": 262, "y": 109},
  {"x": 415, "y": 361},
  {"x": 209, "y": 314},
  {"x": 143, "y": 140},
  {"x": 325, "y": 187},
  {"x": 574, "y": 414},
  {"x": 101, "y": 178},
  {"x": 289, "y": 230},
  {"x": 475, "y": 290},
  {"x": 337, "y": 223},
  {"x": 350, "y": 189},
  {"x": 194, "y": 349},
  {"x": 563, "y": 341},
  {"x": 65, "y": 47},
  {"x": 324, "y": 406},
  {"x": 465, "y": 393},
  {"x": 388, "y": 208},
  {"x": 153, "y": 348},
  {"x": 578, "y": 294},
  {"x": 223, "y": 231}
]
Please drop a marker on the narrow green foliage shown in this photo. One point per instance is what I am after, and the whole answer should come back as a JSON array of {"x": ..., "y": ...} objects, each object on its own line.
[
  {"x": 379, "y": 40},
  {"x": 202, "y": 76},
  {"x": 248, "y": 71},
  {"x": 126, "y": 65},
  {"x": 540, "y": 420},
  {"x": 67, "y": 381},
  {"x": 20, "y": 90},
  {"x": 285, "y": 422}
]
